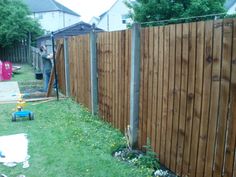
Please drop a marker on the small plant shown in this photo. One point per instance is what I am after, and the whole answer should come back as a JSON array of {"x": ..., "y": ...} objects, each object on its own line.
[{"x": 149, "y": 159}]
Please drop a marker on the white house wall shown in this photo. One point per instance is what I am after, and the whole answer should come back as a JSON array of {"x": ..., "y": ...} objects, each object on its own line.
[
  {"x": 52, "y": 21},
  {"x": 232, "y": 10},
  {"x": 112, "y": 21}
]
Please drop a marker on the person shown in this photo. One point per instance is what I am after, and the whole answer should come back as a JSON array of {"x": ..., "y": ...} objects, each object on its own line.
[{"x": 47, "y": 66}]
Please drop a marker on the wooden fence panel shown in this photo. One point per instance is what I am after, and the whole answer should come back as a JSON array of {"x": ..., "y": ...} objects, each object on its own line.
[
  {"x": 15, "y": 54},
  {"x": 113, "y": 77},
  {"x": 191, "y": 95}
]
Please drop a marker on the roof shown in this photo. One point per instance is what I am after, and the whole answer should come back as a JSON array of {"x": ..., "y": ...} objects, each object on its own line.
[
  {"x": 229, "y": 4},
  {"x": 36, "y": 6},
  {"x": 73, "y": 30}
]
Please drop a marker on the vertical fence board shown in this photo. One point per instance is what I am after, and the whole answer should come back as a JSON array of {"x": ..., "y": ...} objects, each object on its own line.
[
  {"x": 150, "y": 85},
  {"x": 176, "y": 97},
  {"x": 198, "y": 97},
  {"x": 190, "y": 97},
  {"x": 224, "y": 96},
  {"x": 113, "y": 78},
  {"x": 183, "y": 95},
  {"x": 164, "y": 110},
  {"x": 160, "y": 89},
  {"x": 126, "y": 77},
  {"x": 230, "y": 146},
  {"x": 205, "y": 98},
  {"x": 155, "y": 91},
  {"x": 215, "y": 81},
  {"x": 170, "y": 96}
]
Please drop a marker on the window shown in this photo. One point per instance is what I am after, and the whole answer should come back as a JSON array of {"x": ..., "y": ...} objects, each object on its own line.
[
  {"x": 124, "y": 18},
  {"x": 39, "y": 16}
]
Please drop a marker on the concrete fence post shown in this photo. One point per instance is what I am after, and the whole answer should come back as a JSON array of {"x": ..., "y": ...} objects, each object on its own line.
[
  {"x": 135, "y": 85},
  {"x": 67, "y": 67},
  {"x": 93, "y": 68}
]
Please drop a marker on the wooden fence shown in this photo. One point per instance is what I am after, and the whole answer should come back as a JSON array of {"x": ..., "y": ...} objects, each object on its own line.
[
  {"x": 36, "y": 60},
  {"x": 113, "y": 51},
  {"x": 15, "y": 54},
  {"x": 79, "y": 64},
  {"x": 187, "y": 104}
]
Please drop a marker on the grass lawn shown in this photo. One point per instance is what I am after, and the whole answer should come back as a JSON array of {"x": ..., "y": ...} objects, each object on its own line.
[{"x": 65, "y": 140}]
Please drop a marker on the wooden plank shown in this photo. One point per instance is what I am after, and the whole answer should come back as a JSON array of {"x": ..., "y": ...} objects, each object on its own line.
[
  {"x": 207, "y": 70},
  {"x": 109, "y": 54},
  {"x": 224, "y": 96},
  {"x": 126, "y": 72},
  {"x": 142, "y": 44},
  {"x": 105, "y": 77},
  {"x": 78, "y": 70},
  {"x": 117, "y": 80},
  {"x": 52, "y": 76},
  {"x": 99, "y": 71},
  {"x": 217, "y": 45},
  {"x": 176, "y": 97},
  {"x": 129, "y": 75},
  {"x": 74, "y": 67},
  {"x": 230, "y": 147},
  {"x": 198, "y": 97},
  {"x": 190, "y": 97},
  {"x": 164, "y": 114},
  {"x": 145, "y": 87},
  {"x": 82, "y": 70},
  {"x": 101, "y": 58},
  {"x": 155, "y": 80},
  {"x": 70, "y": 65},
  {"x": 88, "y": 88},
  {"x": 110, "y": 77},
  {"x": 122, "y": 104},
  {"x": 86, "y": 71},
  {"x": 183, "y": 97},
  {"x": 113, "y": 78},
  {"x": 171, "y": 79},
  {"x": 160, "y": 89},
  {"x": 150, "y": 84}
]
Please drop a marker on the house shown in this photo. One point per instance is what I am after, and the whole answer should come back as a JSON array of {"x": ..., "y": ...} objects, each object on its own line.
[
  {"x": 230, "y": 6},
  {"x": 80, "y": 28},
  {"x": 52, "y": 15},
  {"x": 116, "y": 18},
  {"x": 94, "y": 20}
]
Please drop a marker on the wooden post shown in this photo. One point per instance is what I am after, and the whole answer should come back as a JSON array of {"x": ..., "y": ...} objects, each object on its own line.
[
  {"x": 52, "y": 76},
  {"x": 134, "y": 85},
  {"x": 93, "y": 68},
  {"x": 67, "y": 66},
  {"x": 29, "y": 49}
]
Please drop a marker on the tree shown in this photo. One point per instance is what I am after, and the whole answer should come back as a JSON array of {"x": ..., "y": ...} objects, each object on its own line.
[
  {"x": 156, "y": 10},
  {"x": 15, "y": 23}
]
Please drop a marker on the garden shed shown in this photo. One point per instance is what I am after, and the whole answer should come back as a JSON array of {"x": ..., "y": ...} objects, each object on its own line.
[{"x": 80, "y": 28}]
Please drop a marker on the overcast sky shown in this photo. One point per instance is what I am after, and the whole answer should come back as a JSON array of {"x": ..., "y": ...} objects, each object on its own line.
[{"x": 88, "y": 8}]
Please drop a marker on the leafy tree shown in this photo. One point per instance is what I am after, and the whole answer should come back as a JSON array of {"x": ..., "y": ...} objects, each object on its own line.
[
  {"x": 156, "y": 10},
  {"x": 15, "y": 23}
]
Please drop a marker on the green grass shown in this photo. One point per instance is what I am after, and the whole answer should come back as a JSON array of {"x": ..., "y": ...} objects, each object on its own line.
[
  {"x": 26, "y": 73},
  {"x": 26, "y": 78},
  {"x": 65, "y": 140}
]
